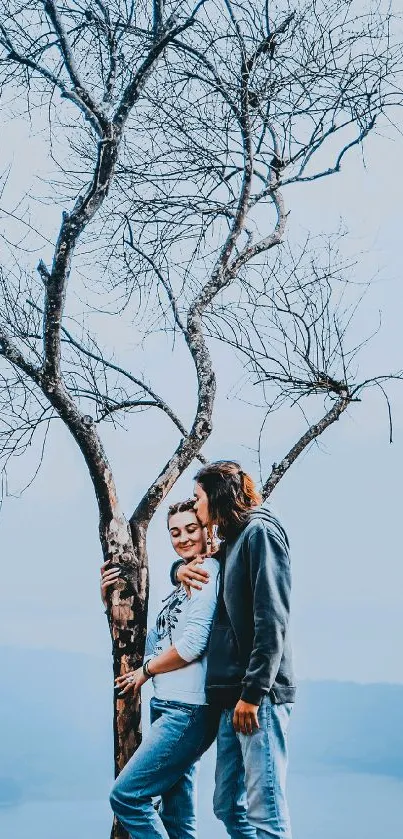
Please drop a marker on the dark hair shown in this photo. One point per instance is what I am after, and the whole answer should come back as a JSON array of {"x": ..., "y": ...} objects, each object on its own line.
[
  {"x": 231, "y": 494},
  {"x": 180, "y": 507}
]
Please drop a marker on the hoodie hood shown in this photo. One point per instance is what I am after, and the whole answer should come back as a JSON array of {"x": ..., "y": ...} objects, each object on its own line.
[{"x": 265, "y": 514}]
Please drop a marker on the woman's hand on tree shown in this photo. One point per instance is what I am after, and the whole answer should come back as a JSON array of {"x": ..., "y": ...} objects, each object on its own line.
[
  {"x": 133, "y": 680},
  {"x": 191, "y": 575},
  {"x": 109, "y": 576}
]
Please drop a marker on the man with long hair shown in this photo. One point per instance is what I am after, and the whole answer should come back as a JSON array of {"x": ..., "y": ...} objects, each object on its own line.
[{"x": 249, "y": 665}]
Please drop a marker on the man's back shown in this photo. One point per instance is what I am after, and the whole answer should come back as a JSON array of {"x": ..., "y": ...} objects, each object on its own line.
[{"x": 249, "y": 654}]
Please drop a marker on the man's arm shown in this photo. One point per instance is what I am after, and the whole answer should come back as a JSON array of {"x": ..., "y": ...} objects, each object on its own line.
[
  {"x": 174, "y": 568},
  {"x": 190, "y": 574},
  {"x": 270, "y": 579}
]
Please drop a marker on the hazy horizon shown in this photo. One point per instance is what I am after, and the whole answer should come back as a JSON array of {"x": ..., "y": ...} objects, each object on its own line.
[{"x": 56, "y": 753}]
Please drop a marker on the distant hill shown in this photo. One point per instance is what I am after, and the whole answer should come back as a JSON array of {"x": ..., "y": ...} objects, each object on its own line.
[
  {"x": 348, "y": 727},
  {"x": 55, "y": 713},
  {"x": 56, "y": 742}
]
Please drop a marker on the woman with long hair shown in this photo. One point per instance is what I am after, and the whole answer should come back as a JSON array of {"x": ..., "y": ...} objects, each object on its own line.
[{"x": 183, "y": 726}]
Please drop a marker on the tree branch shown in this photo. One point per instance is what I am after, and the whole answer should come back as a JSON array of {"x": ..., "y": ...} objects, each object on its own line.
[
  {"x": 202, "y": 424},
  {"x": 12, "y": 354},
  {"x": 332, "y": 170},
  {"x": 274, "y": 238},
  {"x": 165, "y": 283},
  {"x": 71, "y": 67},
  {"x": 279, "y": 470},
  {"x": 109, "y": 365},
  {"x": 143, "y": 403},
  {"x": 71, "y": 228},
  {"x": 132, "y": 90}
]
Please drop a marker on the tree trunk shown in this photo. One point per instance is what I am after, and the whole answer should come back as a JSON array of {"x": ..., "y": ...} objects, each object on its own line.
[
  {"x": 118, "y": 831},
  {"x": 125, "y": 546}
]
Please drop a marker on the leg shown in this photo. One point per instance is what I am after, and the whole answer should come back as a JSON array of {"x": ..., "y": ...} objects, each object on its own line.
[
  {"x": 230, "y": 793},
  {"x": 265, "y": 760},
  {"x": 178, "y": 808},
  {"x": 175, "y": 740}
]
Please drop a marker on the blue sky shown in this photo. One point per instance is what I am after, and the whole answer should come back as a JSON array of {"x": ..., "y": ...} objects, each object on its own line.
[{"x": 340, "y": 503}]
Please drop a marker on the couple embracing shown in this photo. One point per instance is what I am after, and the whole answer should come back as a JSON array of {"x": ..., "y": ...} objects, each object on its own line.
[{"x": 220, "y": 659}]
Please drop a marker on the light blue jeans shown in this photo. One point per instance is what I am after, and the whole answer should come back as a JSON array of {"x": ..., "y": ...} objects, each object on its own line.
[
  {"x": 251, "y": 769},
  {"x": 165, "y": 764}
]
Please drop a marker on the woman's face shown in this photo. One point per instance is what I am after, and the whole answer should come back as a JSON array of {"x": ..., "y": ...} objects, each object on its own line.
[
  {"x": 201, "y": 504},
  {"x": 188, "y": 537}
]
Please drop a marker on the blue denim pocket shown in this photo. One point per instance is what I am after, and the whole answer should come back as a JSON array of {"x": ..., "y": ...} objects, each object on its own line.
[
  {"x": 165, "y": 704},
  {"x": 187, "y": 707}
]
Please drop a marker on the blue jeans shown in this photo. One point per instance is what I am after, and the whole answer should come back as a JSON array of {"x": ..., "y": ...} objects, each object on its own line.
[
  {"x": 251, "y": 769},
  {"x": 165, "y": 764}
]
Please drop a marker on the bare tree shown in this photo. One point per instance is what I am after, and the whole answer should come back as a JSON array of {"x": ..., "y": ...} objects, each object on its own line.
[
  {"x": 293, "y": 329},
  {"x": 175, "y": 129}
]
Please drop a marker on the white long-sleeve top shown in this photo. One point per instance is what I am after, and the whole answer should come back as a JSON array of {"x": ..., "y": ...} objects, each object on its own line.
[{"x": 185, "y": 623}]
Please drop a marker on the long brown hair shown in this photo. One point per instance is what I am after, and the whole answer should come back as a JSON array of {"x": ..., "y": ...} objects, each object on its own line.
[{"x": 231, "y": 494}]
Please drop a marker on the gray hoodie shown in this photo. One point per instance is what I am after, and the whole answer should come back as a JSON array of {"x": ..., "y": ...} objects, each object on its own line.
[{"x": 249, "y": 652}]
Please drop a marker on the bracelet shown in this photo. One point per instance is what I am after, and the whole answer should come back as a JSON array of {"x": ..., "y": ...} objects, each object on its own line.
[
  {"x": 146, "y": 671},
  {"x": 176, "y": 571}
]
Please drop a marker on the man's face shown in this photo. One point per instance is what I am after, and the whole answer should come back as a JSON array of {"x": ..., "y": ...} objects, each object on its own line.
[{"x": 201, "y": 505}]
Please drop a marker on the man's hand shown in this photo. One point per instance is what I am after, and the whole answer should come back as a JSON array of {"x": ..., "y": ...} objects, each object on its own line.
[
  {"x": 245, "y": 717},
  {"x": 192, "y": 574},
  {"x": 133, "y": 680}
]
